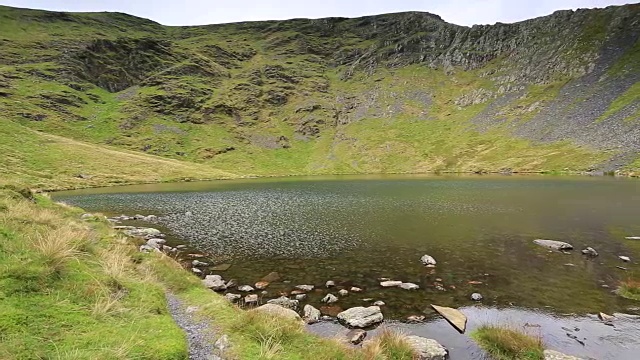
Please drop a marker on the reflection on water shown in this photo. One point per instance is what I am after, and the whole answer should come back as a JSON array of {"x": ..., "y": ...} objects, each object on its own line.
[
  {"x": 354, "y": 230},
  {"x": 602, "y": 342}
]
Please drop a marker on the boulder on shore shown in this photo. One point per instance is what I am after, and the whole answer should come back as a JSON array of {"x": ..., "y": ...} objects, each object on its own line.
[
  {"x": 553, "y": 244},
  {"x": 214, "y": 282},
  {"x": 311, "y": 314},
  {"x": 457, "y": 319},
  {"x": 285, "y": 302},
  {"x": 279, "y": 311},
  {"x": 361, "y": 317},
  {"x": 427, "y": 349}
]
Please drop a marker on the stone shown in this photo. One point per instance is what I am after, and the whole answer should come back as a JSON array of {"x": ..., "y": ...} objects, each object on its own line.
[
  {"x": 379, "y": 303},
  {"x": 198, "y": 263},
  {"x": 271, "y": 277},
  {"x": 428, "y": 260},
  {"x": 181, "y": 246},
  {"x": 86, "y": 216},
  {"x": 301, "y": 297},
  {"x": 367, "y": 299},
  {"x": 232, "y": 297},
  {"x": 251, "y": 299},
  {"x": 196, "y": 271},
  {"x": 329, "y": 299},
  {"x": 361, "y": 317},
  {"x": 356, "y": 336},
  {"x": 232, "y": 283},
  {"x": 343, "y": 292},
  {"x": 285, "y": 302},
  {"x": 329, "y": 284},
  {"x": 146, "y": 248},
  {"x": 277, "y": 310},
  {"x": 589, "y": 251},
  {"x": 146, "y": 233},
  {"x": 311, "y": 315},
  {"x": 214, "y": 282},
  {"x": 245, "y": 288},
  {"x": 555, "y": 355},
  {"x": 391, "y": 283},
  {"x": 156, "y": 243},
  {"x": 457, "y": 319},
  {"x": 604, "y": 317},
  {"x": 476, "y": 297},
  {"x": 427, "y": 349},
  {"x": 632, "y": 237},
  {"x": 221, "y": 267},
  {"x": 409, "y": 286},
  {"x": 416, "y": 318},
  {"x": 222, "y": 343},
  {"x": 261, "y": 285},
  {"x": 304, "y": 287},
  {"x": 355, "y": 289},
  {"x": 624, "y": 258},
  {"x": 553, "y": 244}
]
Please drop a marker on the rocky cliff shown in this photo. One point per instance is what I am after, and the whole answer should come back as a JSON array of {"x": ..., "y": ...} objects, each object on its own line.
[{"x": 403, "y": 92}]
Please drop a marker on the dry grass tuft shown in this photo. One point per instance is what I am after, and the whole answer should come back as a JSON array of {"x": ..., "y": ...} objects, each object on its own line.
[
  {"x": 389, "y": 345},
  {"x": 506, "y": 343},
  {"x": 59, "y": 246},
  {"x": 629, "y": 289}
]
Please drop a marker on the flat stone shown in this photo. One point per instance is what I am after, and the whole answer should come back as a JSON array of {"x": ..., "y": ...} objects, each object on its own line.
[
  {"x": 196, "y": 271},
  {"x": 271, "y": 277},
  {"x": 261, "y": 285},
  {"x": 553, "y": 244},
  {"x": 589, "y": 251},
  {"x": 427, "y": 349},
  {"x": 301, "y": 297},
  {"x": 245, "y": 288},
  {"x": 356, "y": 336},
  {"x": 277, "y": 310},
  {"x": 361, "y": 317},
  {"x": 624, "y": 258},
  {"x": 198, "y": 263},
  {"x": 428, "y": 260},
  {"x": 632, "y": 237},
  {"x": 391, "y": 283},
  {"x": 221, "y": 267},
  {"x": 416, "y": 318},
  {"x": 409, "y": 286},
  {"x": 555, "y": 355},
  {"x": 457, "y": 319},
  {"x": 311, "y": 315},
  {"x": 251, "y": 298},
  {"x": 355, "y": 289}
]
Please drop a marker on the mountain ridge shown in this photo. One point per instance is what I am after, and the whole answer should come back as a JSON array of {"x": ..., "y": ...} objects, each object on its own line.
[{"x": 401, "y": 92}]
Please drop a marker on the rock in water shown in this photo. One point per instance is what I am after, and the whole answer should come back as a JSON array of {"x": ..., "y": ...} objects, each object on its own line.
[
  {"x": 343, "y": 292},
  {"x": 301, "y": 297},
  {"x": 457, "y": 319},
  {"x": 311, "y": 314},
  {"x": 277, "y": 310},
  {"x": 261, "y": 285},
  {"x": 476, "y": 297},
  {"x": 356, "y": 336},
  {"x": 232, "y": 297},
  {"x": 632, "y": 237},
  {"x": 330, "y": 283},
  {"x": 409, "y": 286},
  {"x": 379, "y": 303},
  {"x": 590, "y": 252},
  {"x": 251, "y": 299},
  {"x": 427, "y": 260},
  {"x": 361, "y": 317},
  {"x": 245, "y": 288},
  {"x": 271, "y": 277},
  {"x": 624, "y": 258},
  {"x": 390, "y": 283},
  {"x": 604, "y": 317},
  {"x": 554, "y": 355},
  {"x": 329, "y": 299},
  {"x": 304, "y": 287},
  {"x": 285, "y": 302},
  {"x": 427, "y": 349},
  {"x": 553, "y": 244},
  {"x": 356, "y": 289}
]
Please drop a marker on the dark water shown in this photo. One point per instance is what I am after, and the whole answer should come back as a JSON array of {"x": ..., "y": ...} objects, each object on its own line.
[{"x": 356, "y": 229}]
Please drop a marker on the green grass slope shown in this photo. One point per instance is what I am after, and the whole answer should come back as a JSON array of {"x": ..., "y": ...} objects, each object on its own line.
[{"x": 331, "y": 95}]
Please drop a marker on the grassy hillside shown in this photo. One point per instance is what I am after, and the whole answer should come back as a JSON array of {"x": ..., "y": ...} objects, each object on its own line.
[{"x": 391, "y": 93}]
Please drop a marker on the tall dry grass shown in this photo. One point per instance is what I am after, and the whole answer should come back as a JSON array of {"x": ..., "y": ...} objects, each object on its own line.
[
  {"x": 59, "y": 246},
  {"x": 509, "y": 343}
]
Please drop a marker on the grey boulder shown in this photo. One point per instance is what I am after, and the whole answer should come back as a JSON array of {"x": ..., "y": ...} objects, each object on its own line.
[
  {"x": 427, "y": 349},
  {"x": 311, "y": 314},
  {"x": 553, "y": 244},
  {"x": 361, "y": 317},
  {"x": 285, "y": 302},
  {"x": 555, "y": 355},
  {"x": 214, "y": 282}
]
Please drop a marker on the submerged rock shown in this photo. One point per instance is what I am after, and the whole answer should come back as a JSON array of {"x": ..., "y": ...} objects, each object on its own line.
[
  {"x": 285, "y": 302},
  {"x": 361, "y": 317},
  {"x": 271, "y": 277},
  {"x": 355, "y": 289},
  {"x": 476, "y": 297},
  {"x": 428, "y": 260},
  {"x": 310, "y": 314},
  {"x": 632, "y": 237},
  {"x": 427, "y": 349},
  {"x": 356, "y": 336},
  {"x": 553, "y": 244},
  {"x": 589, "y": 251},
  {"x": 555, "y": 355},
  {"x": 457, "y": 319}
]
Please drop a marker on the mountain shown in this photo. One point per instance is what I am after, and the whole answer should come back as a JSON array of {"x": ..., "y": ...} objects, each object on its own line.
[{"x": 404, "y": 92}]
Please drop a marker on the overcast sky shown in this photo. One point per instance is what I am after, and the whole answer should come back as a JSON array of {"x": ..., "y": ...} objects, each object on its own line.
[{"x": 198, "y": 12}]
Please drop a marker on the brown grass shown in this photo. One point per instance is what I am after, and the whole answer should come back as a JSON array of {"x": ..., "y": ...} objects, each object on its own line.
[{"x": 59, "y": 246}]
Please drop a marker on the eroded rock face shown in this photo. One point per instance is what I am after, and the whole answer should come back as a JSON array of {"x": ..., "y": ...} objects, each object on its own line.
[
  {"x": 427, "y": 349},
  {"x": 361, "y": 317}
]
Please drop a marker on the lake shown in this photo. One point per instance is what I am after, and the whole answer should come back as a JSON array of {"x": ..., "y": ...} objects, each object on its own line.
[{"x": 356, "y": 229}]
